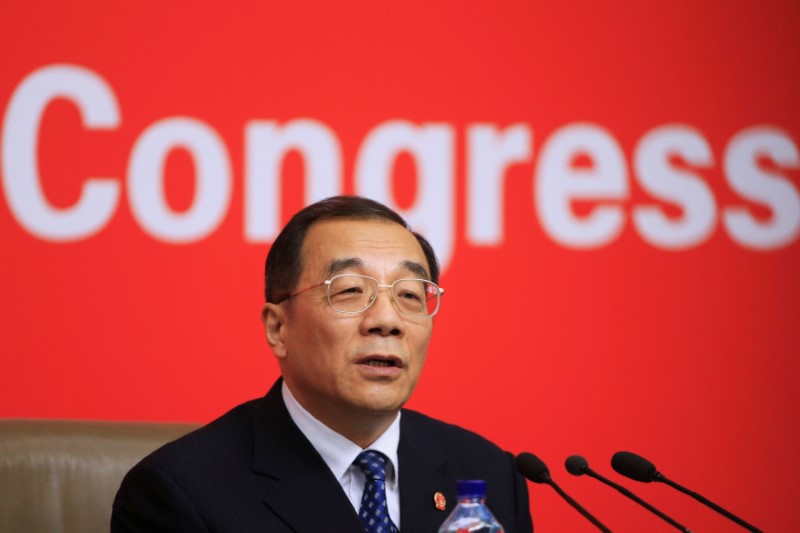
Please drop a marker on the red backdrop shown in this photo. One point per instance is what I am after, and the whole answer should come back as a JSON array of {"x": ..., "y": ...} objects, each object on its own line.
[{"x": 613, "y": 189}]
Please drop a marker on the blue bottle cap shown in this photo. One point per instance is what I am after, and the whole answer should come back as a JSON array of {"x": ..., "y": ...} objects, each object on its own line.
[{"x": 471, "y": 487}]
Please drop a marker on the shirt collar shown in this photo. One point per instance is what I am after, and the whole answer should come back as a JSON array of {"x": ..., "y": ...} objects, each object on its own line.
[{"x": 337, "y": 451}]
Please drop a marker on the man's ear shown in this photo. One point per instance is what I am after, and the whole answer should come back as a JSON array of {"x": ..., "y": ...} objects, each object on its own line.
[{"x": 273, "y": 317}]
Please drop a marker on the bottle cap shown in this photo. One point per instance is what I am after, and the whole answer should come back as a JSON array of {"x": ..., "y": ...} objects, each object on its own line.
[{"x": 471, "y": 487}]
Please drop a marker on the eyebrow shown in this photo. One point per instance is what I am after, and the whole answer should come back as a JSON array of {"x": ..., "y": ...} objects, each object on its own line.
[
  {"x": 346, "y": 263},
  {"x": 338, "y": 265},
  {"x": 416, "y": 268}
]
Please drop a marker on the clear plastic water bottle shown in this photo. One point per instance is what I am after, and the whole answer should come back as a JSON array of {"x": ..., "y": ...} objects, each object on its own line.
[{"x": 471, "y": 514}]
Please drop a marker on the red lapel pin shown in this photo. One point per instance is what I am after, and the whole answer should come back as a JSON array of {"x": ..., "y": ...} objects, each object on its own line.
[{"x": 439, "y": 501}]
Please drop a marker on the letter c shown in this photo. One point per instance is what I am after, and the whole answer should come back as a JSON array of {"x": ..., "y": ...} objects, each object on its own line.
[{"x": 97, "y": 104}]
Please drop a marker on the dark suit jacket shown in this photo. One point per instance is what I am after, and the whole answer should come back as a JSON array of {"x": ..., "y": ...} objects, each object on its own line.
[{"x": 253, "y": 470}]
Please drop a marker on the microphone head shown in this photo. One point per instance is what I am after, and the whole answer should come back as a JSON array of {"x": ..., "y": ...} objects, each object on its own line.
[
  {"x": 532, "y": 468},
  {"x": 576, "y": 465},
  {"x": 634, "y": 466}
]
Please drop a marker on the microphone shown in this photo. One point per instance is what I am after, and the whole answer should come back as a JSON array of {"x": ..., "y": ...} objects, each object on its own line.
[
  {"x": 535, "y": 470},
  {"x": 638, "y": 468},
  {"x": 577, "y": 466}
]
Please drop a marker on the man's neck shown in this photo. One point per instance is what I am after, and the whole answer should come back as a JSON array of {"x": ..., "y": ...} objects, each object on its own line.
[
  {"x": 364, "y": 430},
  {"x": 361, "y": 428}
]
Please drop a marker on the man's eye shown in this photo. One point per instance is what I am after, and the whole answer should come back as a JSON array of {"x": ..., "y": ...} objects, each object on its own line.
[
  {"x": 348, "y": 290},
  {"x": 410, "y": 295}
]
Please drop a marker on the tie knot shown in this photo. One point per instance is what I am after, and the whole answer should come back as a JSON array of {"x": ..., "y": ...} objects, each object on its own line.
[{"x": 372, "y": 463}]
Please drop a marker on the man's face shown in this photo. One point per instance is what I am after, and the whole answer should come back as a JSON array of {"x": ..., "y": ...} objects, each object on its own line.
[{"x": 325, "y": 355}]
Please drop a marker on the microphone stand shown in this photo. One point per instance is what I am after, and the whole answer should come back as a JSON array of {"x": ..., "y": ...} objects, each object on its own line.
[
  {"x": 705, "y": 501},
  {"x": 577, "y": 506},
  {"x": 589, "y": 472}
]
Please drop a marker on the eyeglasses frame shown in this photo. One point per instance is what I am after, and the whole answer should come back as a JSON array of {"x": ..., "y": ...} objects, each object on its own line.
[{"x": 390, "y": 288}]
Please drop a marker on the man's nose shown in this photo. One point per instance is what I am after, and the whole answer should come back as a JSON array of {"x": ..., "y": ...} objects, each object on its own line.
[{"x": 383, "y": 316}]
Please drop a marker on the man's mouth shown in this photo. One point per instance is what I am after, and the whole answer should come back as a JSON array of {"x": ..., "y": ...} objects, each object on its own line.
[
  {"x": 375, "y": 362},
  {"x": 382, "y": 361}
]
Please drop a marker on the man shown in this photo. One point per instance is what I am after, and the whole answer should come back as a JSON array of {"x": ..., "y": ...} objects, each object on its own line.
[{"x": 350, "y": 298}]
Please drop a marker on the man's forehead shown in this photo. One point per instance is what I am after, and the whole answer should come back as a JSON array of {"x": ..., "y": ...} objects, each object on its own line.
[
  {"x": 335, "y": 245},
  {"x": 343, "y": 264}
]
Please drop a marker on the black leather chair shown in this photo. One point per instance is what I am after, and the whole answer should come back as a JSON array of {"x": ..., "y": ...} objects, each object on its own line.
[{"x": 61, "y": 476}]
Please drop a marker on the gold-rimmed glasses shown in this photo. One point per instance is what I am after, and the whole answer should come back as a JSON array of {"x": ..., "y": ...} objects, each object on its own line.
[{"x": 354, "y": 293}]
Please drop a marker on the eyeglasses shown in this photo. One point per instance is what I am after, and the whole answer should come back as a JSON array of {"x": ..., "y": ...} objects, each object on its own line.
[{"x": 353, "y": 294}]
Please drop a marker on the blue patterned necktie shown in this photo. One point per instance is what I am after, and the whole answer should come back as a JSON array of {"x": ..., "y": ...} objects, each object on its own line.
[{"x": 374, "y": 512}]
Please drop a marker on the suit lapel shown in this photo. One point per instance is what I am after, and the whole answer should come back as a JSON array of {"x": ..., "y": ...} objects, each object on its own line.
[
  {"x": 303, "y": 492},
  {"x": 423, "y": 473}
]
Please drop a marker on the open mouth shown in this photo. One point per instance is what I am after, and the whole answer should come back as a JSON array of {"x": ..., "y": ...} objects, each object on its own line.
[
  {"x": 382, "y": 362},
  {"x": 376, "y": 362}
]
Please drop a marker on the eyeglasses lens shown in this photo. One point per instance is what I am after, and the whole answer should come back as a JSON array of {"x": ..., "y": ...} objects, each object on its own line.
[{"x": 352, "y": 294}]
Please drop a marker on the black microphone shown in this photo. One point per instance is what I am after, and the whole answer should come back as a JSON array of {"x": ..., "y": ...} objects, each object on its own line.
[
  {"x": 640, "y": 469},
  {"x": 577, "y": 466},
  {"x": 535, "y": 470}
]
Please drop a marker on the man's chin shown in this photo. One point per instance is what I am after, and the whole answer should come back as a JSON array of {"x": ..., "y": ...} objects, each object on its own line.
[{"x": 385, "y": 404}]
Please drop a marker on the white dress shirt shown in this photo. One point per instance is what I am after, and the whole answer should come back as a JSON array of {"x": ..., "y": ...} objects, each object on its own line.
[{"x": 338, "y": 452}]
